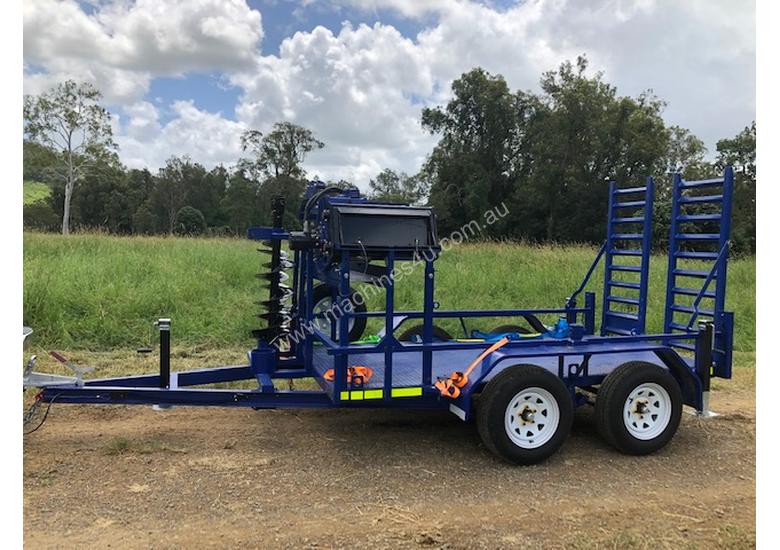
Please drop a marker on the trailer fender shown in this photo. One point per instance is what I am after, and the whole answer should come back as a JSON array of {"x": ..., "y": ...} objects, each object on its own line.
[{"x": 689, "y": 382}]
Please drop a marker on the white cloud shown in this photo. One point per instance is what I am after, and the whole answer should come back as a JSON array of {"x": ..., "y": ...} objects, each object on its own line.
[
  {"x": 208, "y": 138},
  {"x": 124, "y": 44},
  {"x": 353, "y": 90},
  {"x": 362, "y": 88}
]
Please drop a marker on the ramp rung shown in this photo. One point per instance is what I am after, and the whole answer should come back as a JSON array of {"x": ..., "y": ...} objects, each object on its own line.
[
  {"x": 701, "y": 183},
  {"x": 697, "y": 236},
  {"x": 622, "y": 300},
  {"x": 693, "y": 273},
  {"x": 623, "y": 284},
  {"x": 700, "y": 199},
  {"x": 699, "y": 218},
  {"x": 629, "y": 204},
  {"x": 677, "y": 326},
  {"x": 621, "y": 315},
  {"x": 684, "y": 255},
  {"x": 636, "y": 219},
  {"x": 688, "y": 309},
  {"x": 629, "y": 190},
  {"x": 628, "y": 236},
  {"x": 692, "y": 292},
  {"x": 625, "y": 252},
  {"x": 626, "y": 268}
]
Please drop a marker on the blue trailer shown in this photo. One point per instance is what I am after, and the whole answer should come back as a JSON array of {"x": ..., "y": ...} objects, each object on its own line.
[{"x": 520, "y": 381}]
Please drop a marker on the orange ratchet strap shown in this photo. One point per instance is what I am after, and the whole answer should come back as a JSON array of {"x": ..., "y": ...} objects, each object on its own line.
[
  {"x": 356, "y": 376},
  {"x": 450, "y": 387}
]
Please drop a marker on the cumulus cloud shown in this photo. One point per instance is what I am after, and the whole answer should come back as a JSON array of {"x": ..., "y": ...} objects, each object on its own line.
[
  {"x": 208, "y": 138},
  {"x": 353, "y": 89},
  {"x": 361, "y": 88},
  {"x": 122, "y": 45}
]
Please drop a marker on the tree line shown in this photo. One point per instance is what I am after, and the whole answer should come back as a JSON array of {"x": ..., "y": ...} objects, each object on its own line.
[{"x": 547, "y": 156}]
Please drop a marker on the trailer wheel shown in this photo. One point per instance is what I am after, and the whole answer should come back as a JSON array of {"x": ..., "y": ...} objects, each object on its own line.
[
  {"x": 524, "y": 414},
  {"x": 638, "y": 408},
  {"x": 323, "y": 301}
]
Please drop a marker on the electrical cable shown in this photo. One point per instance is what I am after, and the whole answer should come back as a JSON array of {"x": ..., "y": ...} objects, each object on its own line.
[{"x": 32, "y": 409}]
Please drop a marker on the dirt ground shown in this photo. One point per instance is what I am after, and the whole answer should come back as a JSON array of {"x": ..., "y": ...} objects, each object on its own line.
[{"x": 134, "y": 477}]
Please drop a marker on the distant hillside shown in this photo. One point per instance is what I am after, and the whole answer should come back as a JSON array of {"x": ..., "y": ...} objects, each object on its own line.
[{"x": 35, "y": 191}]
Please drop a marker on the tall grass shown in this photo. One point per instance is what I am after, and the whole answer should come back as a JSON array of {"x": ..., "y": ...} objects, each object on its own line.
[{"x": 92, "y": 291}]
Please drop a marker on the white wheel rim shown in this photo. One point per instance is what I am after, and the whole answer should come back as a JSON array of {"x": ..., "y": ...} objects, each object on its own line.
[
  {"x": 532, "y": 418},
  {"x": 647, "y": 411},
  {"x": 323, "y": 323}
]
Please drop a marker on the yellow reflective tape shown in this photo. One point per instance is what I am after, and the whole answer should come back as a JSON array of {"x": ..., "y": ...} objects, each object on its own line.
[
  {"x": 406, "y": 392},
  {"x": 372, "y": 394},
  {"x": 344, "y": 396},
  {"x": 356, "y": 395}
]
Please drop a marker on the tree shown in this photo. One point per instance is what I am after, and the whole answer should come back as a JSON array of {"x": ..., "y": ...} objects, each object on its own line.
[
  {"x": 686, "y": 154},
  {"x": 581, "y": 136},
  {"x": 468, "y": 170},
  {"x": 39, "y": 215},
  {"x": 276, "y": 165},
  {"x": 190, "y": 221},
  {"x": 39, "y": 162},
  {"x": 172, "y": 188},
  {"x": 69, "y": 120},
  {"x": 206, "y": 192},
  {"x": 240, "y": 202},
  {"x": 101, "y": 200},
  {"x": 282, "y": 151},
  {"x": 392, "y": 187},
  {"x": 740, "y": 152},
  {"x": 144, "y": 220}
]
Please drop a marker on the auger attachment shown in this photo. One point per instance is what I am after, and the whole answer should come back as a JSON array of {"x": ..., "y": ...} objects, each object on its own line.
[{"x": 277, "y": 312}]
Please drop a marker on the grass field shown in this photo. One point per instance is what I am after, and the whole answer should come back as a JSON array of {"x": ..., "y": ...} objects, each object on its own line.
[
  {"x": 35, "y": 191},
  {"x": 98, "y": 292}
]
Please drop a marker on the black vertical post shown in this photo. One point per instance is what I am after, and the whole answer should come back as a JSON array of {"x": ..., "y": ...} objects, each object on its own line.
[
  {"x": 164, "y": 326},
  {"x": 590, "y": 315}
]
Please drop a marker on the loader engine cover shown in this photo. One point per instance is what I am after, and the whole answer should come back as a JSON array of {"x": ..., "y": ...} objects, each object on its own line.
[{"x": 377, "y": 228}]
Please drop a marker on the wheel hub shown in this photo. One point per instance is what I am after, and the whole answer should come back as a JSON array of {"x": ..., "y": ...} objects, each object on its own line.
[{"x": 531, "y": 418}]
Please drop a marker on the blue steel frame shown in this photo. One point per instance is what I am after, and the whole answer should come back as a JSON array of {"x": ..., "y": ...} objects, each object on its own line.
[
  {"x": 621, "y": 322},
  {"x": 684, "y": 193},
  {"x": 266, "y": 362}
]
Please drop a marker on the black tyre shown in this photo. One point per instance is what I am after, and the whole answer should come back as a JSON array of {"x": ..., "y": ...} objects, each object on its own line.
[
  {"x": 438, "y": 334},
  {"x": 524, "y": 414},
  {"x": 323, "y": 302},
  {"x": 510, "y": 328},
  {"x": 638, "y": 408}
]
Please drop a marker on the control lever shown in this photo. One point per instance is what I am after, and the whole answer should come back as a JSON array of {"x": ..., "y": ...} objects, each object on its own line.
[{"x": 78, "y": 371}]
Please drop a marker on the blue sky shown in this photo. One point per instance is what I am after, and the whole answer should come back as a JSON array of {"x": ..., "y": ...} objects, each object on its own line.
[{"x": 189, "y": 77}]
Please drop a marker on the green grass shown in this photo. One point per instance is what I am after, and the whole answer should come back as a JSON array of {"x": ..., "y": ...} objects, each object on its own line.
[
  {"x": 35, "y": 191},
  {"x": 98, "y": 292}
]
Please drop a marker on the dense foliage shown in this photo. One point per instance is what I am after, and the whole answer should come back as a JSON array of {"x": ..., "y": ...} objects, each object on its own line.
[
  {"x": 549, "y": 156},
  {"x": 546, "y": 157}
]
